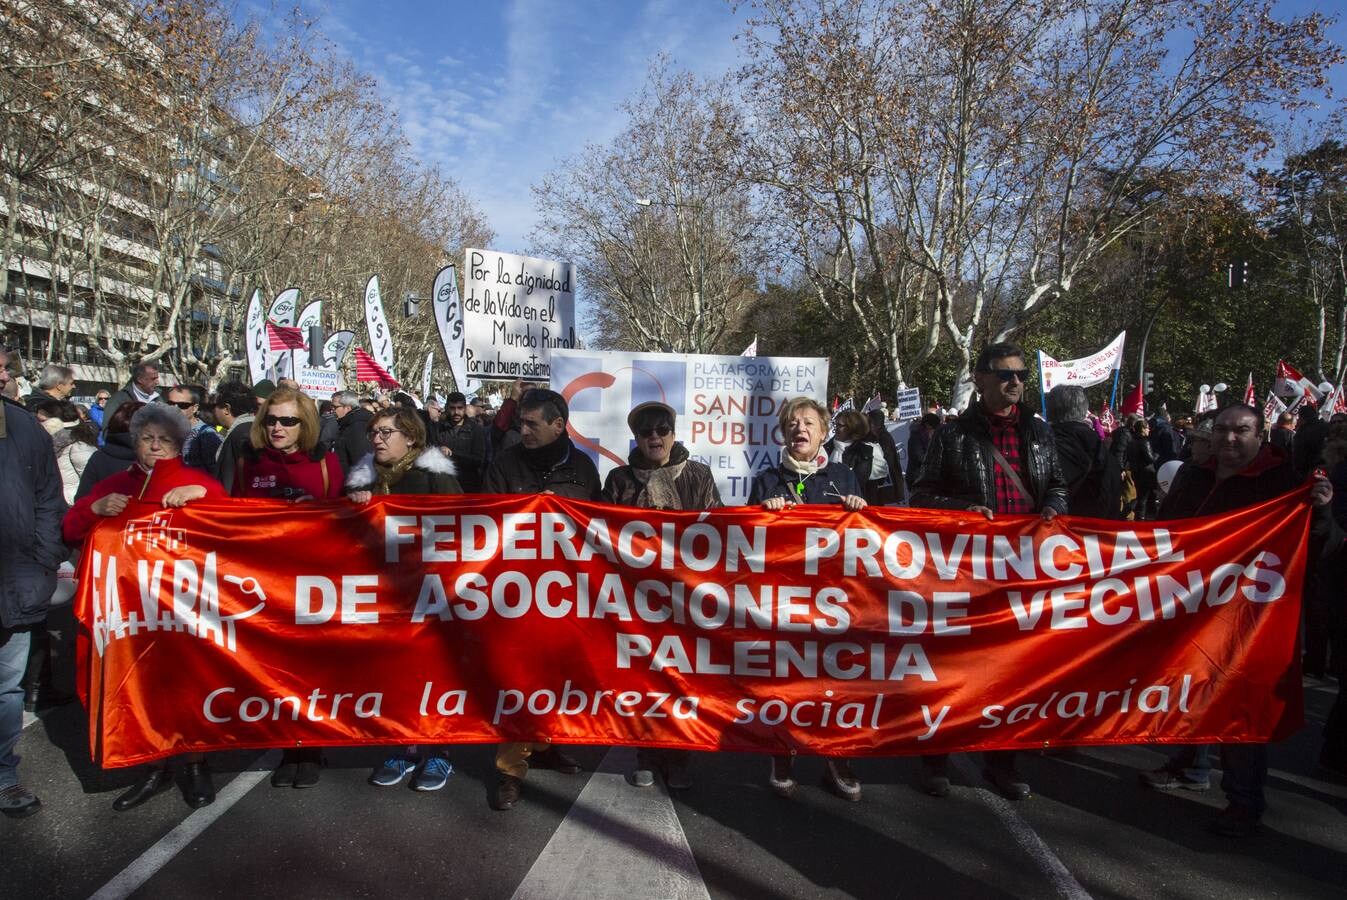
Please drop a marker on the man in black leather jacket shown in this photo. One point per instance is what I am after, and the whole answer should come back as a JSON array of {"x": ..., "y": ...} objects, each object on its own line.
[{"x": 965, "y": 469}]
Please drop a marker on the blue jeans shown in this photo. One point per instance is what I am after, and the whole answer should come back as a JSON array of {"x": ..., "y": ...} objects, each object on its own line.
[
  {"x": 13, "y": 663},
  {"x": 1192, "y": 761},
  {"x": 1243, "y": 770}
]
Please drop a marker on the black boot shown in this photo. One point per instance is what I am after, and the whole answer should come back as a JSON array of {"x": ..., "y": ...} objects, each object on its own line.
[
  {"x": 197, "y": 788},
  {"x": 158, "y": 781}
]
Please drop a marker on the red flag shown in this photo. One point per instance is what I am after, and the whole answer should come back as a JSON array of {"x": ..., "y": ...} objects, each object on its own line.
[
  {"x": 1135, "y": 403},
  {"x": 282, "y": 337},
  {"x": 366, "y": 369},
  {"x": 1290, "y": 383},
  {"x": 1250, "y": 398},
  {"x": 1107, "y": 420}
]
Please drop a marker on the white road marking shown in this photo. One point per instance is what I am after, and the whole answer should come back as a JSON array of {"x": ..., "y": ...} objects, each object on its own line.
[
  {"x": 1315, "y": 784},
  {"x": 143, "y": 867},
  {"x": 1062, "y": 880},
  {"x": 616, "y": 842}
]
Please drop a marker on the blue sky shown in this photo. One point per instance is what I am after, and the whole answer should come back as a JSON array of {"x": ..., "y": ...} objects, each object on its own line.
[{"x": 497, "y": 91}]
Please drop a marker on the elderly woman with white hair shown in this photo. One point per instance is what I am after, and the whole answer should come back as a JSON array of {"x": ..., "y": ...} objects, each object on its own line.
[{"x": 157, "y": 476}]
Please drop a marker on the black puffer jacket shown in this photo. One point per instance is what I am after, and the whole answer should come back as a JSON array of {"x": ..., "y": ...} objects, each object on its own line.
[
  {"x": 958, "y": 473},
  {"x": 573, "y": 476},
  {"x": 432, "y": 473}
]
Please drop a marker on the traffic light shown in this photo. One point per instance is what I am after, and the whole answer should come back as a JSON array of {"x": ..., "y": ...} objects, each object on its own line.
[
  {"x": 1147, "y": 383},
  {"x": 1238, "y": 273}
]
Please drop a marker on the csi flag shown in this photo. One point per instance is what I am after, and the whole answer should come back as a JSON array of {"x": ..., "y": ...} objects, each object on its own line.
[
  {"x": 1273, "y": 408},
  {"x": 282, "y": 337},
  {"x": 366, "y": 369},
  {"x": 1292, "y": 384}
]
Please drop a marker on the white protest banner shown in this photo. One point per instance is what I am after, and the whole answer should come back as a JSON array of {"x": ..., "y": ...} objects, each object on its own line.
[
  {"x": 517, "y": 310},
  {"x": 282, "y": 312},
  {"x": 726, "y": 406},
  {"x": 320, "y": 384},
  {"x": 258, "y": 346},
  {"x": 425, "y": 374},
  {"x": 1093, "y": 369},
  {"x": 449, "y": 321},
  {"x": 336, "y": 347},
  {"x": 380, "y": 337},
  {"x": 909, "y": 404}
]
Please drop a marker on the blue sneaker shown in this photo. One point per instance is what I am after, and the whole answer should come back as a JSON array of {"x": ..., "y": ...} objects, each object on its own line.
[
  {"x": 432, "y": 774},
  {"x": 393, "y": 770}
]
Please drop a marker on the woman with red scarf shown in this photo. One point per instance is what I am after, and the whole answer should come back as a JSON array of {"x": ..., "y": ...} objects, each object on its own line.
[
  {"x": 284, "y": 462},
  {"x": 157, "y": 476}
]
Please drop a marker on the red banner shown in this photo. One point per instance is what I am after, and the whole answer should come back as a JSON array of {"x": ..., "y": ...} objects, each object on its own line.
[{"x": 443, "y": 620}]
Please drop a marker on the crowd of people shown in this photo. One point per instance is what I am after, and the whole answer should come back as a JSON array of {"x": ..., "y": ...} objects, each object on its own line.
[{"x": 63, "y": 468}]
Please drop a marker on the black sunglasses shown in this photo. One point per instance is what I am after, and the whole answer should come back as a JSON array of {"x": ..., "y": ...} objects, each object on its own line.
[
  {"x": 287, "y": 421},
  {"x": 183, "y": 405},
  {"x": 1022, "y": 375},
  {"x": 661, "y": 430}
]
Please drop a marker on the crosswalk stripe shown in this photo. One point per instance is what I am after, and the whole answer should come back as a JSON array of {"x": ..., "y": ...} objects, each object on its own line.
[
  {"x": 616, "y": 842},
  {"x": 143, "y": 867}
]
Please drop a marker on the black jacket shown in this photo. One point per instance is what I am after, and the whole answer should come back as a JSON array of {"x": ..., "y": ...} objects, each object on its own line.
[
  {"x": 236, "y": 445},
  {"x": 828, "y": 485},
  {"x": 695, "y": 485},
  {"x": 1093, "y": 477},
  {"x": 353, "y": 437},
  {"x": 432, "y": 473},
  {"x": 859, "y": 457},
  {"x": 918, "y": 443},
  {"x": 467, "y": 448},
  {"x": 31, "y": 508},
  {"x": 1196, "y": 492},
  {"x": 574, "y": 476},
  {"x": 115, "y": 456},
  {"x": 959, "y": 470}
]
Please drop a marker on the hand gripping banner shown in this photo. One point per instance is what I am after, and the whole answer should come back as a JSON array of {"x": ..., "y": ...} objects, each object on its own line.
[{"x": 443, "y": 620}]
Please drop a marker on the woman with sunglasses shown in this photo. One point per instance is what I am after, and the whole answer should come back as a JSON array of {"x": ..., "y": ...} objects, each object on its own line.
[
  {"x": 659, "y": 475},
  {"x": 283, "y": 462},
  {"x": 805, "y": 474},
  {"x": 402, "y": 464},
  {"x": 158, "y": 476}
]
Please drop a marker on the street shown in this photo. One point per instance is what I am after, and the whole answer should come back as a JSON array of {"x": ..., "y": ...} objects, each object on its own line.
[{"x": 1089, "y": 830}]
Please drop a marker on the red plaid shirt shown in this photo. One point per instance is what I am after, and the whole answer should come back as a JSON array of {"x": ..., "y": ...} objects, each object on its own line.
[{"x": 1006, "y": 438}]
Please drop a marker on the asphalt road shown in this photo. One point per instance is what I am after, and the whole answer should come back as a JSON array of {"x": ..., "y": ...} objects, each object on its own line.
[{"x": 1089, "y": 830}]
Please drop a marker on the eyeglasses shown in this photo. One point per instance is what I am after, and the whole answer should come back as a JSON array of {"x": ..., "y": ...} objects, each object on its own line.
[
  {"x": 1006, "y": 375},
  {"x": 287, "y": 421},
  {"x": 183, "y": 405},
  {"x": 661, "y": 430},
  {"x": 102, "y": 398},
  {"x": 383, "y": 433}
]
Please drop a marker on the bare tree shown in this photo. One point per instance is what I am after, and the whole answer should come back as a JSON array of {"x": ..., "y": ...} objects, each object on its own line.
[{"x": 662, "y": 229}]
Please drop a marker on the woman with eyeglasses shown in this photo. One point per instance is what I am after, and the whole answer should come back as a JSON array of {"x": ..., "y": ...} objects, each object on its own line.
[
  {"x": 284, "y": 462},
  {"x": 660, "y": 475},
  {"x": 805, "y": 474},
  {"x": 401, "y": 463},
  {"x": 158, "y": 476}
]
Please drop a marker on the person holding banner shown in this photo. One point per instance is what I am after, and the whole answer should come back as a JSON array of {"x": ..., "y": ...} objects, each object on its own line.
[
  {"x": 402, "y": 464},
  {"x": 660, "y": 475},
  {"x": 995, "y": 459},
  {"x": 284, "y": 462},
  {"x": 545, "y": 461},
  {"x": 1243, "y": 472},
  {"x": 159, "y": 476},
  {"x": 805, "y": 474}
]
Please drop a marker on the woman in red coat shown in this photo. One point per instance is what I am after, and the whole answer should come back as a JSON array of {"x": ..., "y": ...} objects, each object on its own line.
[
  {"x": 157, "y": 476},
  {"x": 284, "y": 463}
]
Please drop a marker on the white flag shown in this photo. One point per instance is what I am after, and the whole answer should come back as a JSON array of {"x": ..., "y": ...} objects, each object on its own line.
[
  {"x": 425, "y": 374},
  {"x": 376, "y": 323},
  {"x": 258, "y": 346},
  {"x": 1085, "y": 371},
  {"x": 751, "y": 349},
  {"x": 449, "y": 321}
]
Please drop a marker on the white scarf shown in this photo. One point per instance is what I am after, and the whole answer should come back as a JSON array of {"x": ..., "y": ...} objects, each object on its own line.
[{"x": 802, "y": 467}]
